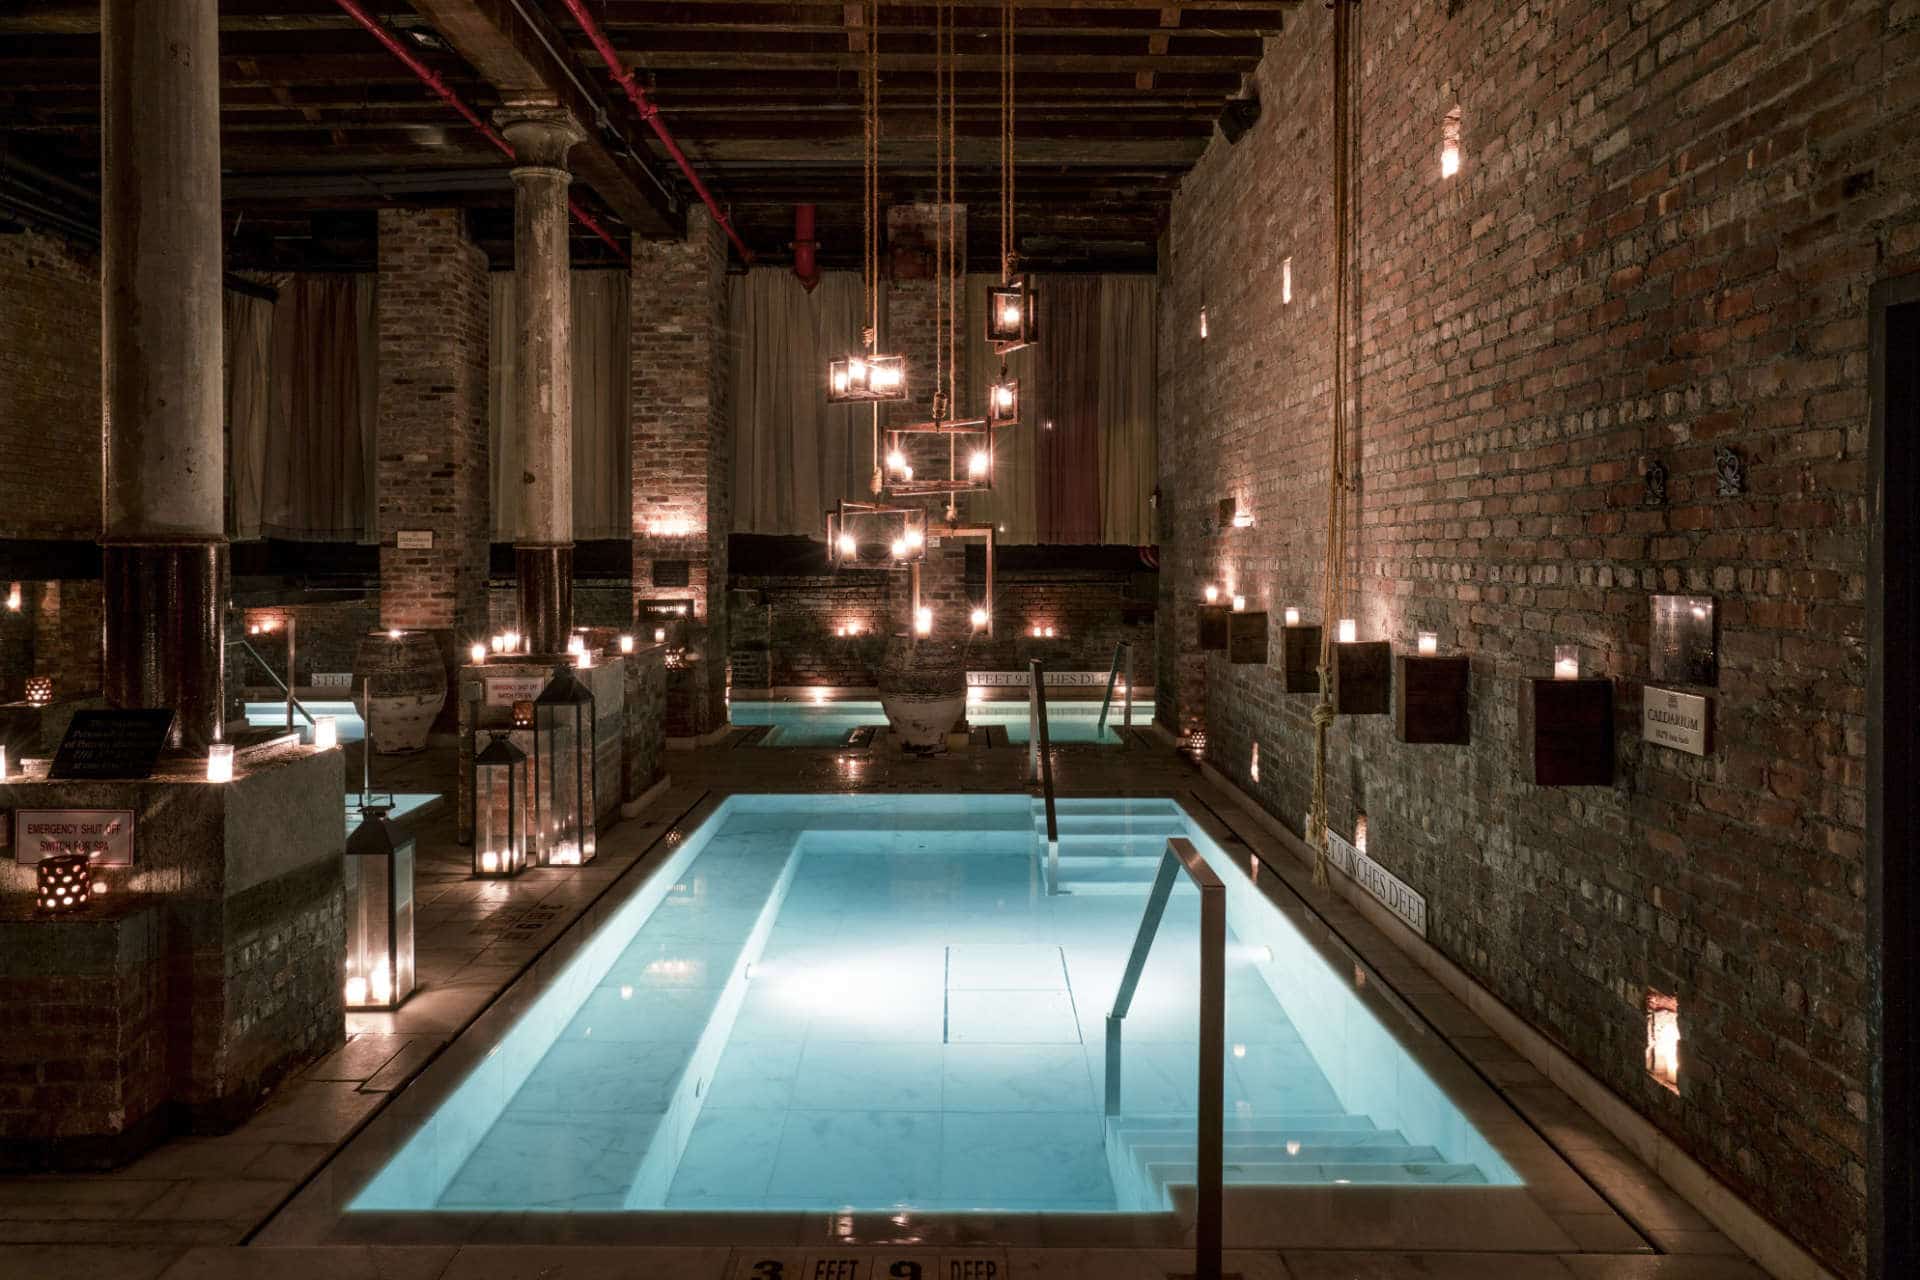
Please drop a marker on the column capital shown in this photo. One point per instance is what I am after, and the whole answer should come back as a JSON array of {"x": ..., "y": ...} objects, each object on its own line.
[{"x": 541, "y": 136}]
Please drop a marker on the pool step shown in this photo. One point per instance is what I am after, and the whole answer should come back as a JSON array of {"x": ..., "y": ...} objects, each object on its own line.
[
  {"x": 1110, "y": 846},
  {"x": 1150, "y": 1156}
]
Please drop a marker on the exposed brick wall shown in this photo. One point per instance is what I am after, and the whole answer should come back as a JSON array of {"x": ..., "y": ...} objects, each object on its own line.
[
  {"x": 431, "y": 473},
  {"x": 49, "y": 389},
  {"x": 784, "y": 626},
  {"x": 682, "y": 441},
  {"x": 1660, "y": 241},
  {"x": 326, "y": 638}
]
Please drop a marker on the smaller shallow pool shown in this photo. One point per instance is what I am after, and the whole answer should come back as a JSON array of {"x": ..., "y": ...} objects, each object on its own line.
[
  {"x": 273, "y": 715},
  {"x": 827, "y": 724}
]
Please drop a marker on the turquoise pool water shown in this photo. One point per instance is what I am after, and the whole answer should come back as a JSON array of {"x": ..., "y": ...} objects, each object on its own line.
[
  {"x": 827, "y": 724},
  {"x": 872, "y": 1002},
  {"x": 273, "y": 715}
]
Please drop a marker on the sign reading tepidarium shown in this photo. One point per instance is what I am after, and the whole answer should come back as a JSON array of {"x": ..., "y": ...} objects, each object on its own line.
[
  {"x": 1672, "y": 719},
  {"x": 1681, "y": 645}
]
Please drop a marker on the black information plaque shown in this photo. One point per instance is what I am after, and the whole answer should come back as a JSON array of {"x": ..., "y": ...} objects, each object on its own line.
[{"x": 112, "y": 744}]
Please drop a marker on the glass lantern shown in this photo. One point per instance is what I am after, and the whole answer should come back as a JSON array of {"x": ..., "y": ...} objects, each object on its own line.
[
  {"x": 499, "y": 809},
  {"x": 865, "y": 378},
  {"x": 379, "y": 896},
  {"x": 563, "y": 771},
  {"x": 1012, "y": 316},
  {"x": 1003, "y": 403}
]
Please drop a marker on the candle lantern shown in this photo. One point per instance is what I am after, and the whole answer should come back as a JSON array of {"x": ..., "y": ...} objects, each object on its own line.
[
  {"x": 1003, "y": 403},
  {"x": 39, "y": 690},
  {"x": 499, "y": 809},
  {"x": 1566, "y": 662},
  {"x": 563, "y": 771},
  {"x": 866, "y": 378},
  {"x": 64, "y": 881},
  {"x": 379, "y": 896},
  {"x": 868, "y": 536},
  {"x": 1013, "y": 319}
]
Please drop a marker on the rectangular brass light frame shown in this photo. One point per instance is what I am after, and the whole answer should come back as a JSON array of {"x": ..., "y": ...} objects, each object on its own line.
[
  {"x": 961, "y": 478},
  {"x": 863, "y": 535},
  {"x": 1003, "y": 403},
  {"x": 1013, "y": 319},
  {"x": 865, "y": 378}
]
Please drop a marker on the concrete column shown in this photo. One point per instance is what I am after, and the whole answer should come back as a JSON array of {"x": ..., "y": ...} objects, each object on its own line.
[
  {"x": 164, "y": 541},
  {"x": 541, "y": 138}
]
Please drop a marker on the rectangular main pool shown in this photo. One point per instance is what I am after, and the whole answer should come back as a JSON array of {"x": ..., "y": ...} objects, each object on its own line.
[{"x": 873, "y": 1003}]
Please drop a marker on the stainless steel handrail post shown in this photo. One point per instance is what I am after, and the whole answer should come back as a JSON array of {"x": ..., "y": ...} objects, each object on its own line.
[
  {"x": 293, "y": 625},
  {"x": 1113, "y": 677},
  {"x": 1041, "y": 746},
  {"x": 1210, "y": 1139},
  {"x": 1126, "y": 708}
]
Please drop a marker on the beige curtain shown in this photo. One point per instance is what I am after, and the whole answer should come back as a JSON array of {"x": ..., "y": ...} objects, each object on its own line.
[
  {"x": 323, "y": 381},
  {"x": 249, "y": 364},
  {"x": 1127, "y": 409},
  {"x": 794, "y": 455},
  {"x": 602, "y": 471},
  {"x": 1011, "y": 505}
]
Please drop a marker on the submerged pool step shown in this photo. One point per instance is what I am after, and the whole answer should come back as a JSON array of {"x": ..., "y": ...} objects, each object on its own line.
[{"x": 1165, "y": 1177}]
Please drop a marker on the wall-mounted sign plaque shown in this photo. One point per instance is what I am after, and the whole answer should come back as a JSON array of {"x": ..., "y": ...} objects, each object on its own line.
[
  {"x": 112, "y": 744},
  {"x": 1393, "y": 892},
  {"x": 504, "y": 691},
  {"x": 1680, "y": 644},
  {"x": 1677, "y": 720},
  {"x": 105, "y": 835},
  {"x": 414, "y": 539}
]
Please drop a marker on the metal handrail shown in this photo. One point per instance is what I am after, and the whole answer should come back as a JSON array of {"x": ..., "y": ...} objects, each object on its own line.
[
  {"x": 1040, "y": 763},
  {"x": 293, "y": 704},
  {"x": 1210, "y": 1144},
  {"x": 1113, "y": 676}
]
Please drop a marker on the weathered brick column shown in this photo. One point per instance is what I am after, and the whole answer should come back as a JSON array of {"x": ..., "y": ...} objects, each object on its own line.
[
  {"x": 431, "y": 473},
  {"x": 683, "y": 454}
]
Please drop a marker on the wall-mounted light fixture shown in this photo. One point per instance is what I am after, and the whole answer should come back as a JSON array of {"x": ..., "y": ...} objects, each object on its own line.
[{"x": 1450, "y": 144}]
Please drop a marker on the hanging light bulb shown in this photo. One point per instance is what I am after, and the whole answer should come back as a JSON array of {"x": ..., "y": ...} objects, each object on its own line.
[{"x": 977, "y": 465}]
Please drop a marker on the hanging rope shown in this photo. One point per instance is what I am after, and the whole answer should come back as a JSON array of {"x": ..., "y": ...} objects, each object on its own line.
[
  {"x": 1007, "y": 253},
  {"x": 870, "y": 209},
  {"x": 1333, "y": 582}
]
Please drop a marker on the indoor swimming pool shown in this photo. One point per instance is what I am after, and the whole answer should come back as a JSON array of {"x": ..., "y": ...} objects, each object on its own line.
[
  {"x": 849, "y": 1002},
  {"x": 827, "y": 724},
  {"x": 272, "y": 715}
]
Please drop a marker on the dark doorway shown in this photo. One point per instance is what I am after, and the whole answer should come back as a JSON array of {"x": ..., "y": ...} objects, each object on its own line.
[{"x": 1893, "y": 801}]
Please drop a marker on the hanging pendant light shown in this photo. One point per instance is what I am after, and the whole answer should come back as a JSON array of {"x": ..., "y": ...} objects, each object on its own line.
[
  {"x": 866, "y": 376},
  {"x": 1012, "y": 311},
  {"x": 1003, "y": 402}
]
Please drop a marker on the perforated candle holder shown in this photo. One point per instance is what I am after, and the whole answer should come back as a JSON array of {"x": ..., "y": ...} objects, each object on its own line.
[
  {"x": 64, "y": 882},
  {"x": 39, "y": 690}
]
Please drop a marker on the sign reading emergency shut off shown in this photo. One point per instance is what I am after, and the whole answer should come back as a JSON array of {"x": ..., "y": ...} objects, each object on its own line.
[{"x": 104, "y": 835}]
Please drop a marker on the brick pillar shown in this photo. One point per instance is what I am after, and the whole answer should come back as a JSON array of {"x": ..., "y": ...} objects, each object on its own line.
[
  {"x": 431, "y": 474},
  {"x": 913, "y": 233},
  {"x": 683, "y": 453}
]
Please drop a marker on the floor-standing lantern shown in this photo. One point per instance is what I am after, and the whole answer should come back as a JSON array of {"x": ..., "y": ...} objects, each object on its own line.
[
  {"x": 499, "y": 809},
  {"x": 563, "y": 771},
  {"x": 379, "y": 894}
]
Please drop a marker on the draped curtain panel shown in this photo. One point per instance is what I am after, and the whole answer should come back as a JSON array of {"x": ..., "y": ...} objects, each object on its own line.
[
  {"x": 1127, "y": 409},
  {"x": 249, "y": 364},
  {"x": 794, "y": 454},
  {"x": 1068, "y": 455},
  {"x": 323, "y": 379},
  {"x": 602, "y": 466}
]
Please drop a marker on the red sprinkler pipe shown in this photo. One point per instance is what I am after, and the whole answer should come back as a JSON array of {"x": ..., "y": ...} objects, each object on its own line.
[
  {"x": 651, "y": 114},
  {"x": 431, "y": 78},
  {"x": 806, "y": 266}
]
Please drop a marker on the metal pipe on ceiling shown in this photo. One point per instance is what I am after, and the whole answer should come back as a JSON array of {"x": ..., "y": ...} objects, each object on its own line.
[
  {"x": 445, "y": 92},
  {"x": 651, "y": 114}
]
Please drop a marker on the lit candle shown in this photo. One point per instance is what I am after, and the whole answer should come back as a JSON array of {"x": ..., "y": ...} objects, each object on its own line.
[
  {"x": 576, "y": 644},
  {"x": 915, "y": 539},
  {"x": 326, "y": 732},
  {"x": 1035, "y": 631},
  {"x": 978, "y": 618},
  {"x": 1429, "y": 642},
  {"x": 977, "y": 464},
  {"x": 923, "y": 621},
  {"x": 839, "y": 379},
  {"x": 356, "y": 990},
  {"x": 220, "y": 762},
  {"x": 1566, "y": 662},
  {"x": 1049, "y": 633},
  {"x": 1212, "y": 593},
  {"x": 393, "y": 633},
  {"x": 1239, "y": 604},
  {"x": 1243, "y": 519},
  {"x": 847, "y": 546},
  {"x": 1349, "y": 631},
  {"x": 583, "y": 659},
  {"x": 1292, "y": 617},
  {"x": 513, "y": 641},
  {"x": 489, "y": 861},
  {"x": 13, "y": 597},
  {"x": 626, "y": 644},
  {"x": 478, "y": 653},
  {"x": 896, "y": 460},
  {"x": 659, "y": 635},
  {"x": 886, "y": 375},
  {"x": 1010, "y": 316},
  {"x": 1449, "y": 158},
  {"x": 499, "y": 644},
  {"x": 3, "y": 762},
  {"x": 899, "y": 548}
]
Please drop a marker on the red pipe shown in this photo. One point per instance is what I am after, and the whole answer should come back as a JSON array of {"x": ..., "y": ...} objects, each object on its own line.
[
  {"x": 651, "y": 114},
  {"x": 806, "y": 266},
  {"x": 431, "y": 78}
]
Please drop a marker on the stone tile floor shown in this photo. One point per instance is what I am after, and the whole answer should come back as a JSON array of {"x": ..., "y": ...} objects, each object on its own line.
[{"x": 185, "y": 1211}]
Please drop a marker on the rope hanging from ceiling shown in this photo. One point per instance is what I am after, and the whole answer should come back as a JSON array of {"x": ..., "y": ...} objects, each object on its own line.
[
  {"x": 870, "y": 162},
  {"x": 1334, "y": 575}
]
